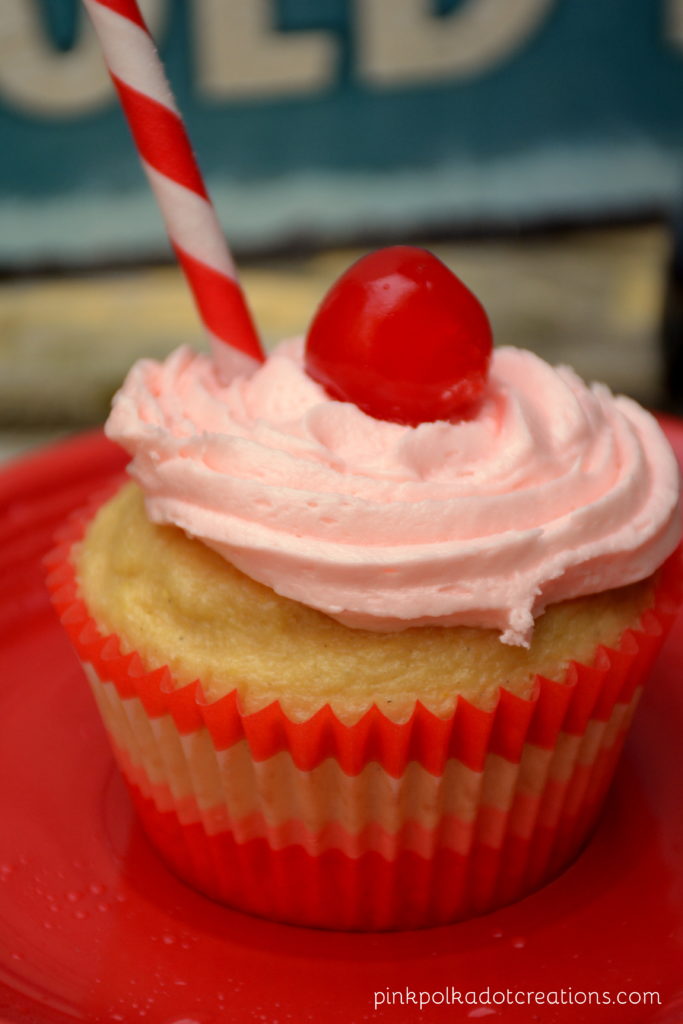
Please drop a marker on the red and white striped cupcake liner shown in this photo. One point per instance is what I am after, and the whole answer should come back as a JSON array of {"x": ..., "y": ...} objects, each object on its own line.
[{"x": 371, "y": 826}]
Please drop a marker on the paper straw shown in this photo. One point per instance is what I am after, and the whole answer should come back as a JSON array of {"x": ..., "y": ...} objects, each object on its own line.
[{"x": 170, "y": 165}]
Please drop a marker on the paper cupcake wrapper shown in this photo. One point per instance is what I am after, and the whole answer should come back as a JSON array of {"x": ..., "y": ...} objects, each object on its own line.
[{"x": 376, "y": 825}]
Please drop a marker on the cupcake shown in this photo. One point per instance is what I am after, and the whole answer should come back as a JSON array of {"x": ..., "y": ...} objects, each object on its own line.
[{"x": 368, "y": 625}]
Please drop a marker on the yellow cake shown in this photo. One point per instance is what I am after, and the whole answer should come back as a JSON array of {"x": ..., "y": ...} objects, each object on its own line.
[{"x": 180, "y": 604}]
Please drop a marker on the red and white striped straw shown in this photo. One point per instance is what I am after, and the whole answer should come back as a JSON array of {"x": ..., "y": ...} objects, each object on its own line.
[{"x": 167, "y": 158}]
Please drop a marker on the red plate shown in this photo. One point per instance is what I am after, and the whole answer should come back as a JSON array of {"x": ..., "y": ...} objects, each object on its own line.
[{"x": 94, "y": 928}]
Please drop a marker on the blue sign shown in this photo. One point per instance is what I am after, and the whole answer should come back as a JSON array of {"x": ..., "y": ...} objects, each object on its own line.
[{"x": 329, "y": 119}]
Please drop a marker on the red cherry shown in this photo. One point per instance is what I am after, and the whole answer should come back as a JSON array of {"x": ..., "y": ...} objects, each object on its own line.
[{"x": 402, "y": 337}]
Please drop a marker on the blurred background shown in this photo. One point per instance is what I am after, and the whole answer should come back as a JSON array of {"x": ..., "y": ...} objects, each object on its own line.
[{"x": 535, "y": 145}]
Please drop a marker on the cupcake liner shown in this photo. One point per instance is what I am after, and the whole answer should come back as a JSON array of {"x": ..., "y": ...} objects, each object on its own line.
[{"x": 375, "y": 825}]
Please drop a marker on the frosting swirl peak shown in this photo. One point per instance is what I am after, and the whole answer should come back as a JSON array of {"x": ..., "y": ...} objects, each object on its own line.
[{"x": 553, "y": 491}]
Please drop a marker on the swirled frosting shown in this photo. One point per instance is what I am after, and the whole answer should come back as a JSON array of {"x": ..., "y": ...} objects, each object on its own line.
[{"x": 554, "y": 490}]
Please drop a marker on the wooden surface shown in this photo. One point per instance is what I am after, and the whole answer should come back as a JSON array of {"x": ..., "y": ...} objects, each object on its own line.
[{"x": 590, "y": 299}]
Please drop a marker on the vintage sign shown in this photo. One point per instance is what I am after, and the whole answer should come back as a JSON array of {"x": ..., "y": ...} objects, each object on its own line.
[{"x": 330, "y": 119}]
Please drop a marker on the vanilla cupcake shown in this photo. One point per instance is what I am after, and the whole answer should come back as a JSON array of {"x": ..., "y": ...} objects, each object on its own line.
[{"x": 361, "y": 673}]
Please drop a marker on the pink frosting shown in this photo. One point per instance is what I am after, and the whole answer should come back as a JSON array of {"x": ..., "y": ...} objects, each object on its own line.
[{"x": 554, "y": 490}]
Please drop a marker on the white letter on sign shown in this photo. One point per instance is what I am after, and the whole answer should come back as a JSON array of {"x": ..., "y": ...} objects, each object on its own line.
[
  {"x": 402, "y": 41},
  {"x": 38, "y": 78},
  {"x": 674, "y": 22},
  {"x": 241, "y": 54}
]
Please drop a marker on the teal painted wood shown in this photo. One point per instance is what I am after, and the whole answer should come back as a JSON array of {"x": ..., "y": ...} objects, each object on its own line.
[{"x": 326, "y": 118}]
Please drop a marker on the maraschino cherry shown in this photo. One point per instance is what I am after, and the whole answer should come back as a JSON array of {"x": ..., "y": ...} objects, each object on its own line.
[{"x": 402, "y": 337}]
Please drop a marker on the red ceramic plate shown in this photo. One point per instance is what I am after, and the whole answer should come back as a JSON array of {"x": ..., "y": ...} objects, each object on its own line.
[{"x": 94, "y": 928}]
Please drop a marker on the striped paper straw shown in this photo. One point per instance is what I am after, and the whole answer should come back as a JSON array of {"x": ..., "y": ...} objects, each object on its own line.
[{"x": 167, "y": 158}]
